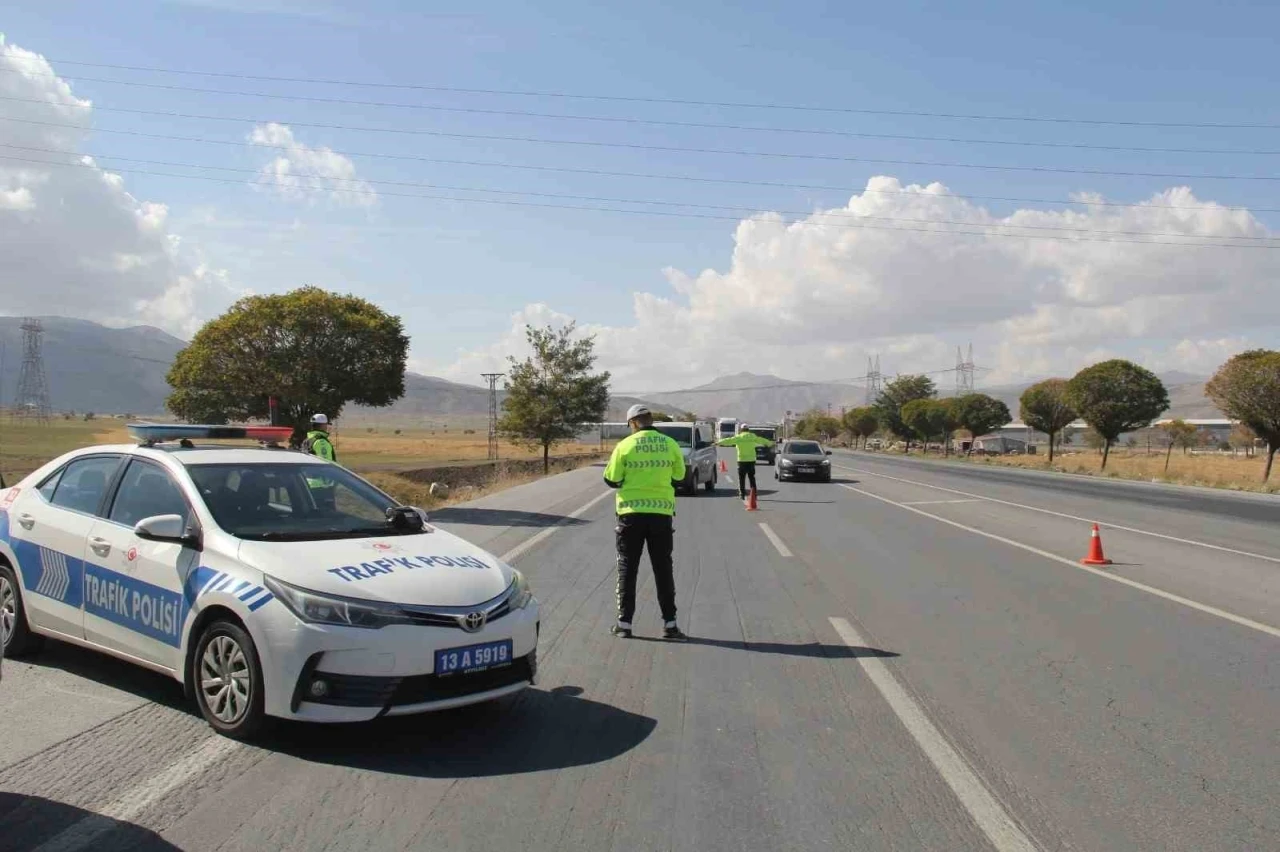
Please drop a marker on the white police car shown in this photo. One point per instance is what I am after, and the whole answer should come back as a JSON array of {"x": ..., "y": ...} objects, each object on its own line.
[{"x": 269, "y": 582}]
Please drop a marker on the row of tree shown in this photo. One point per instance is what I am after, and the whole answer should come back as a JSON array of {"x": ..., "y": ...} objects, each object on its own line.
[{"x": 315, "y": 351}]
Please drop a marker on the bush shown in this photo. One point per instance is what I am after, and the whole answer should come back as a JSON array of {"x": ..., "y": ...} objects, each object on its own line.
[{"x": 398, "y": 431}]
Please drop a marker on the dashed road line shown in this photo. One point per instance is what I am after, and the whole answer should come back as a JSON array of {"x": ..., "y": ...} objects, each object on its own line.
[
  {"x": 992, "y": 819},
  {"x": 528, "y": 544},
  {"x": 1113, "y": 526},
  {"x": 777, "y": 542},
  {"x": 1161, "y": 593},
  {"x": 135, "y": 801}
]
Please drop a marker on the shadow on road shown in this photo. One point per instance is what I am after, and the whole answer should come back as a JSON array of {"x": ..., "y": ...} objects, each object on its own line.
[
  {"x": 27, "y": 822},
  {"x": 533, "y": 732},
  {"x": 809, "y": 649},
  {"x": 500, "y": 517},
  {"x": 108, "y": 671}
]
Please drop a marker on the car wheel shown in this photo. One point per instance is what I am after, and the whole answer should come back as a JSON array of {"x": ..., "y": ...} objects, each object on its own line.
[
  {"x": 16, "y": 637},
  {"x": 693, "y": 486},
  {"x": 711, "y": 483},
  {"x": 228, "y": 680}
]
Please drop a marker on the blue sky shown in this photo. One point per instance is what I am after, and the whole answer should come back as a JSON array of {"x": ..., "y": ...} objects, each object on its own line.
[{"x": 458, "y": 272}]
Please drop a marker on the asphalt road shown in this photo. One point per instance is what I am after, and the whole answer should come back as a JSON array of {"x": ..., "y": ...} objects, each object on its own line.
[{"x": 907, "y": 658}]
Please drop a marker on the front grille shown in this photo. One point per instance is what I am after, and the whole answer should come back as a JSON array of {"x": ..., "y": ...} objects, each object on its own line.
[
  {"x": 420, "y": 689},
  {"x": 364, "y": 691}
]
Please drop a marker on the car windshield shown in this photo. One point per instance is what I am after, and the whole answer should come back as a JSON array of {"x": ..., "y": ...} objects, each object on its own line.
[
  {"x": 292, "y": 502},
  {"x": 803, "y": 448},
  {"x": 766, "y": 433},
  {"x": 682, "y": 435}
]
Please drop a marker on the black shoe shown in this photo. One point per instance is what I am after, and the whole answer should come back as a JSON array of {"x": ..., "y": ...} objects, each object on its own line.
[
  {"x": 620, "y": 632},
  {"x": 675, "y": 634}
]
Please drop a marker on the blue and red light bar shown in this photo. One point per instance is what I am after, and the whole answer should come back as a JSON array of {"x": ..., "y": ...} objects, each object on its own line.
[{"x": 156, "y": 432}]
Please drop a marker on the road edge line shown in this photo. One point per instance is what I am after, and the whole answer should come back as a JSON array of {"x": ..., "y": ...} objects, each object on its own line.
[
  {"x": 1104, "y": 522},
  {"x": 533, "y": 541},
  {"x": 990, "y": 816},
  {"x": 1161, "y": 593}
]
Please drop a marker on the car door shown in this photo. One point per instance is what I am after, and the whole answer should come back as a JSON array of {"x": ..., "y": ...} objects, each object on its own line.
[
  {"x": 133, "y": 586},
  {"x": 49, "y": 529}
]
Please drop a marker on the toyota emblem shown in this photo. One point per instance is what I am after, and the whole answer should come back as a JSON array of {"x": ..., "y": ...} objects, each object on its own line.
[{"x": 472, "y": 621}]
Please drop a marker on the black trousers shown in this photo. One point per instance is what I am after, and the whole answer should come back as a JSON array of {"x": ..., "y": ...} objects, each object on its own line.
[
  {"x": 633, "y": 533},
  {"x": 746, "y": 470}
]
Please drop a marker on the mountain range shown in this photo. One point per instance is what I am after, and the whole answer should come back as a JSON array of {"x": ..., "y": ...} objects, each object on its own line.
[{"x": 91, "y": 367}]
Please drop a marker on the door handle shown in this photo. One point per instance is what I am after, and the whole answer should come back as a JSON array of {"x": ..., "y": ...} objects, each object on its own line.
[
  {"x": 99, "y": 546},
  {"x": 26, "y": 521}
]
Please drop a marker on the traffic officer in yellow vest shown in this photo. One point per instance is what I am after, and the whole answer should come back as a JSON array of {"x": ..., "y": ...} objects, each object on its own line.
[
  {"x": 645, "y": 468},
  {"x": 746, "y": 442}
]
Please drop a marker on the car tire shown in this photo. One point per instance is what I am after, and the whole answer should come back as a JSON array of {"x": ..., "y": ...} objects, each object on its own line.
[
  {"x": 710, "y": 484},
  {"x": 16, "y": 636},
  {"x": 226, "y": 652},
  {"x": 693, "y": 485}
]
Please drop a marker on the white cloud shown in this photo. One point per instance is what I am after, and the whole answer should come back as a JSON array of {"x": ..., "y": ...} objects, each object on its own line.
[
  {"x": 301, "y": 172},
  {"x": 72, "y": 239},
  {"x": 812, "y": 298}
]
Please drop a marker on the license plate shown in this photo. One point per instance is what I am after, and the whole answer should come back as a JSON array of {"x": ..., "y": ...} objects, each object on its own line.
[
  {"x": 473, "y": 658},
  {"x": 805, "y": 469}
]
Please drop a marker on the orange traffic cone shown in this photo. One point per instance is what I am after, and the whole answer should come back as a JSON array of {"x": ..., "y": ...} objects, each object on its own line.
[
  {"x": 1095, "y": 556},
  {"x": 724, "y": 468},
  {"x": 751, "y": 502}
]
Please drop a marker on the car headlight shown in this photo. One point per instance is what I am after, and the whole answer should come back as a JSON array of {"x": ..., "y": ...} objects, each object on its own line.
[
  {"x": 521, "y": 594},
  {"x": 826, "y": 462},
  {"x": 785, "y": 463},
  {"x": 315, "y": 608}
]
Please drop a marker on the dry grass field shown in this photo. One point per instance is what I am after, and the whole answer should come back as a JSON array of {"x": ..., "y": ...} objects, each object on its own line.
[
  {"x": 24, "y": 446},
  {"x": 1238, "y": 473}
]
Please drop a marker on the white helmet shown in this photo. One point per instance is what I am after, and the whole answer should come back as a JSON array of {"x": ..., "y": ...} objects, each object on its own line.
[{"x": 319, "y": 420}]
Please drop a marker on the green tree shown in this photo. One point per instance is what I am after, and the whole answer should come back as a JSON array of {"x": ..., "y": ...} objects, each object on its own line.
[
  {"x": 661, "y": 417},
  {"x": 552, "y": 393},
  {"x": 978, "y": 414},
  {"x": 1044, "y": 407},
  {"x": 928, "y": 418},
  {"x": 817, "y": 425},
  {"x": 1247, "y": 389},
  {"x": 1177, "y": 433},
  {"x": 313, "y": 350},
  {"x": 895, "y": 395},
  {"x": 1116, "y": 396},
  {"x": 861, "y": 423}
]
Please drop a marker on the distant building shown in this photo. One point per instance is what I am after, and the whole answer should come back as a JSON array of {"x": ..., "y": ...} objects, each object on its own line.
[{"x": 998, "y": 443}]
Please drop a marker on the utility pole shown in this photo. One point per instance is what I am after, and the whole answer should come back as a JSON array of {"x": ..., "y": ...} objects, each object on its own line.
[
  {"x": 493, "y": 413},
  {"x": 32, "y": 401},
  {"x": 964, "y": 372},
  {"x": 873, "y": 378}
]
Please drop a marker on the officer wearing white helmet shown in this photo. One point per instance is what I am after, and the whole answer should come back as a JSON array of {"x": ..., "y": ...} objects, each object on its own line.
[
  {"x": 645, "y": 468},
  {"x": 319, "y": 444}
]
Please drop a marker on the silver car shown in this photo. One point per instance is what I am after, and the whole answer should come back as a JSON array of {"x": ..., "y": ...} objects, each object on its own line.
[{"x": 697, "y": 441}]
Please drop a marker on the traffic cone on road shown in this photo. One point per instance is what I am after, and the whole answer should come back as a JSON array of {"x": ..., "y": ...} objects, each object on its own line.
[
  {"x": 724, "y": 468},
  {"x": 1095, "y": 556},
  {"x": 751, "y": 501}
]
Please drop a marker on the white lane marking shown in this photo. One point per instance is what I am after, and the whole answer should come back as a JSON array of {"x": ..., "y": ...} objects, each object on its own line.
[
  {"x": 992, "y": 819},
  {"x": 136, "y": 800},
  {"x": 938, "y": 502},
  {"x": 1161, "y": 593},
  {"x": 1113, "y": 526},
  {"x": 526, "y": 545},
  {"x": 777, "y": 542}
]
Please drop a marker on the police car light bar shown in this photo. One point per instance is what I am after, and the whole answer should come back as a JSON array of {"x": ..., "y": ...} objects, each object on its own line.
[{"x": 154, "y": 433}]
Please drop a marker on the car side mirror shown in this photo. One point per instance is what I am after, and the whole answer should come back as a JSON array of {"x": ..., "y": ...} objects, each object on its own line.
[
  {"x": 828, "y": 452},
  {"x": 168, "y": 528}
]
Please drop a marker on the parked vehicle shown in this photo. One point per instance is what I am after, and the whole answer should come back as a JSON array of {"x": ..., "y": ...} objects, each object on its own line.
[
  {"x": 768, "y": 455},
  {"x": 697, "y": 441}
]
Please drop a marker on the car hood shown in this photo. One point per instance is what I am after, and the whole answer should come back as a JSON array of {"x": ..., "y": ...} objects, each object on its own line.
[
  {"x": 802, "y": 458},
  {"x": 429, "y": 569}
]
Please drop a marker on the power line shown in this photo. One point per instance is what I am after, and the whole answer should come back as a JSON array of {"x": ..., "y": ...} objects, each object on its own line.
[
  {"x": 709, "y": 216},
  {"x": 636, "y": 146},
  {"x": 653, "y": 122},
  {"x": 421, "y": 87},
  {"x": 853, "y": 217},
  {"x": 645, "y": 175}
]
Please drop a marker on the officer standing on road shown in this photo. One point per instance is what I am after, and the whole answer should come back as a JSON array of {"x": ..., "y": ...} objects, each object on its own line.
[
  {"x": 319, "y": 444},
  {"x": 746, "y": 442},
  {"x": 645, "y": 468}
]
